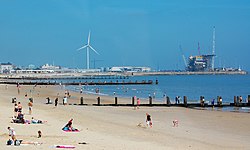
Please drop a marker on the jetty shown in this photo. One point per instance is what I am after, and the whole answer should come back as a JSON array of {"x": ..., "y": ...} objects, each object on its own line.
[{"x": 35, "y": 82}]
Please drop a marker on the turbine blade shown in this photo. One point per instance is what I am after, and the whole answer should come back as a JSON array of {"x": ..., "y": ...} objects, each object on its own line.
[
  {"x": 89, "y": 37},
  {"x": 94, "y": 50},
  {"x": 82, "y": 47}
]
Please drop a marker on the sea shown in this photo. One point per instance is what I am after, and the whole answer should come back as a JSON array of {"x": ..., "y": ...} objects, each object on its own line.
[{"x": 192, "y": 86}]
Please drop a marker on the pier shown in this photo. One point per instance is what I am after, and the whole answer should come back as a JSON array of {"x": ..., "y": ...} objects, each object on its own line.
[{"x": 20, "y": 82}]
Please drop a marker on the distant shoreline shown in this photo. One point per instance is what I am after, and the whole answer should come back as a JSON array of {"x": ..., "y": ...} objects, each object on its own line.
[{"x": 39, "y": 76}]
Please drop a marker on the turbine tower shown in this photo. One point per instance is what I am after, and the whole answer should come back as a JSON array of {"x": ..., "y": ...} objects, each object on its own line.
[
  {"x": 88, "y": 46},
  {"x": 213, "y": 49}
]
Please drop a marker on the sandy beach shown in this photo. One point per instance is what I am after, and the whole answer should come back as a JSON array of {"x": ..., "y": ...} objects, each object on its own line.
[{"x": 115, "y": 128}]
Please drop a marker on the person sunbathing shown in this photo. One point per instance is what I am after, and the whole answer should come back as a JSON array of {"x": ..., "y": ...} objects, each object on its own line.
[{"x": 36, "y": 121}]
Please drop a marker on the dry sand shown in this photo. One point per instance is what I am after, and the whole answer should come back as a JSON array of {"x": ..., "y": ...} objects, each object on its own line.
[{"x": 115, "y": 128}]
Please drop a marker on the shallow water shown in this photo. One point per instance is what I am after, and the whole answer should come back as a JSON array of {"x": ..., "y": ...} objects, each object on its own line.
[{"x": 192, "y": 86}]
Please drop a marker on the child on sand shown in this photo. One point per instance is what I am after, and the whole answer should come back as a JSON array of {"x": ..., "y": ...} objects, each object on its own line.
[{"x": 148, "y": 120}]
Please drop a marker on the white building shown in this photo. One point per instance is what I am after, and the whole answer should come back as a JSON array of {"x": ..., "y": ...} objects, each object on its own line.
[
  {"x": 130, "y": 69},
  {"x": 6, "y": 67},
  {"x": 50, "y": 67}
]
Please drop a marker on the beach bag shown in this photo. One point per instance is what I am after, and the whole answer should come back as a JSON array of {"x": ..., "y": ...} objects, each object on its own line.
[
  {"x": 18, "y": 142},
  {"x": 9, "y": 142}
]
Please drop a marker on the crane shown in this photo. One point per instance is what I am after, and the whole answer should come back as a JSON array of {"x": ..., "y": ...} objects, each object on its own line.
[
  {"x": 184, "y": 59},
  {"x": 94, "y": 62}
]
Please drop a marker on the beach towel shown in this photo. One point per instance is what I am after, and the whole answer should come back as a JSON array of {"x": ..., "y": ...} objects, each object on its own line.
[
  {"x": 65, "y": 146},
  {"x": 66, "y": 129}
]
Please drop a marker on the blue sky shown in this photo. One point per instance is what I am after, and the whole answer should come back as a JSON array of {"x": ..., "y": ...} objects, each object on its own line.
[{"x": 125, "y": 33}]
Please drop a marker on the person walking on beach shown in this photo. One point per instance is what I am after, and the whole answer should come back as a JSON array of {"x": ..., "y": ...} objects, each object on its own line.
[
  {"x": 65, "y": 100},
  {"x": 15, "y": 109},
  {"x": 56, "y": 102},
  {"x": 240, "y": 99},
  {"x": 212, "y": 103},
  {"x": 30, "y": 104},
  {"x": 19, "y": 106},
  {"x": 148, "y": 120},
  {"x": 138, "y": 102},
  {"x": 12, "y": 133}
]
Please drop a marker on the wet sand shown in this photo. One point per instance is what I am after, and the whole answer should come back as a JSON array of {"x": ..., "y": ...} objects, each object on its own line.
[{"x": 116, "y": 127}]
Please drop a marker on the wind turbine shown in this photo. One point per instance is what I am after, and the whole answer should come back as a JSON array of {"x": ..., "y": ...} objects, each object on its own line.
[{"x": 88, "y": 46}]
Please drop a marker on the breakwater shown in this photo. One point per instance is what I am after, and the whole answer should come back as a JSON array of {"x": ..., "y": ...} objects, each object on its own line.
[
  {"x": 236, "y": 106},
  {"x": 20, "y": 82}
]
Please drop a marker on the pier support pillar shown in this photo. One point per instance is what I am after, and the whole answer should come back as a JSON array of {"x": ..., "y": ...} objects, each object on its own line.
[
  {"x": 98, "y": 101},
  {"x": 116, "y": 100},
  {"x": 150, "y": 100},
  {"x": 168, "y": 101},
  {"x": 185, "y": 101},
  {"x": 81, "y": 101}
]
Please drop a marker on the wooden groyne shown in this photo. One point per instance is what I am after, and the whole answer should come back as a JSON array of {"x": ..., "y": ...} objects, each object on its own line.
[
  {"x": 20, "y": 82},
  {"x": 167, "y": 103},
  {"x": 235, "y": 107},
  {"x": 101, "y": 77}
]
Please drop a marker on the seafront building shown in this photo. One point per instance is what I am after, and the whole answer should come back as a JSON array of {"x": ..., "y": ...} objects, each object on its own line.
[
  {"x": 197, "y": 65},
  {"x": 6, "y": 67},
  {"x": 130, "y": 69}
]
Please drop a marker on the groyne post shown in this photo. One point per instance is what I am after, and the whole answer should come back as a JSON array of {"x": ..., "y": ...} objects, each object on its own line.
[
  {"x": 168, "y": 101},
  {"x": 98, "y": 101},
  {"x": 81, "y": 101},
  {"x": 116, "y": 100},
  {"x": 235, "y": 101},
  {"x": 150, "y": 100},
  {"x": 238, "y": 101},
  {"x": 218, "y": 103},
  {"x": 248, "y": 99},
  {"x": 185, "y": 100},
  {"x": 133, "y": 101}
]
